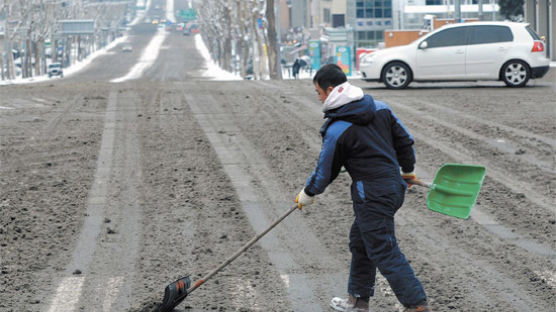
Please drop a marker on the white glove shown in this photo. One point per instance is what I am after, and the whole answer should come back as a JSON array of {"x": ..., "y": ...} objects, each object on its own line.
[{"x": 302, "y": 199}]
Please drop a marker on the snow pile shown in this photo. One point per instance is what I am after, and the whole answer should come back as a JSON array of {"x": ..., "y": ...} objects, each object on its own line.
[
  {"x": 170, "y": 11},
  {"x": 68, "y": 71},
  {"x": 213, "y": 70},
  {"x": 80, "y": 65},
  {"x": 149, "y": 56}
]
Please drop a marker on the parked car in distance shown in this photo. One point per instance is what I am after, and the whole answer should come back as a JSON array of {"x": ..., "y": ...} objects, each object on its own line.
[
  {"x": 127, "y": 48},
  {"x": 507, "y": 51},
  {"x": 186, "y": 31},
  {"x": 55, "y": 69}
]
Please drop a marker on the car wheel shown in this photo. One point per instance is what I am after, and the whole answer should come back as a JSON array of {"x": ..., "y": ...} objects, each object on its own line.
[
  {"x": 516, "y": 73},
  {"x": 396, "y": 75}
]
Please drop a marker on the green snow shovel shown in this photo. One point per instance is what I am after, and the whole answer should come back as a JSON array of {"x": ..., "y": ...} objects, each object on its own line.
[{"x": 454, "y": 189}]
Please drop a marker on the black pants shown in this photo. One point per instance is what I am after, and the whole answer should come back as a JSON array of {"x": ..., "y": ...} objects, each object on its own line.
[{"x": 373, "y": 246}]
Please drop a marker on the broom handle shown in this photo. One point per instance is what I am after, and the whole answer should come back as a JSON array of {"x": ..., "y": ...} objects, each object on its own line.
[{"x": 239, "y": 252}]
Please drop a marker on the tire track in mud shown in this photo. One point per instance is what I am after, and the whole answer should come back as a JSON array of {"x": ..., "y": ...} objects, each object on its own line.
[
  {"x": 50, "y": 174},
  {"x": 193, "y": 220},
  {"x": 544, "y": 209},
  {"x": 302, "y": 264},
  {"x": 480, "y": 147},
  {"x": 534, "y": 239},
  {"x": 496, "y": 273},
  {"x": 107, "y": 247},
  {"x": 455, "y": 115},
  {"x": 44, "y": 128},
  {"x": 489, "y": 240},
  {"x": 513, "y": 139},
  {"x": 68, "y": 292}
]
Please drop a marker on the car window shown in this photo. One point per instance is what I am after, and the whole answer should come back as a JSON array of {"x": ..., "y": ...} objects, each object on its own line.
[
  {"x": 448, "y": 37},
  {"x": 532, "y": 33},
  {"x": 490, "y": 34}
]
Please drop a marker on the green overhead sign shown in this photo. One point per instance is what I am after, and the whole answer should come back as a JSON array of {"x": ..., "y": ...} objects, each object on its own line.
[{"x": 188, "y": 14}]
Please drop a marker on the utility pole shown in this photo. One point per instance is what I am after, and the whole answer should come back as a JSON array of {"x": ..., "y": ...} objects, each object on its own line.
[
  {"x": 5, "y": 54},
  {"x": 480, "y": 10},
  {"x": 6, "y": 46},
  {"x": 493, "y": 9},
  {"x": 279, "y": 43},
  {"x": 24, "y": 57},
  {"x": 457, "y": 9}
]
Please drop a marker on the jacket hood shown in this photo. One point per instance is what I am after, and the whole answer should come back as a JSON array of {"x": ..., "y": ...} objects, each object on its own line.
[
  {"x": 359, "y": 112},
  {"x": 341, "y": 95}
]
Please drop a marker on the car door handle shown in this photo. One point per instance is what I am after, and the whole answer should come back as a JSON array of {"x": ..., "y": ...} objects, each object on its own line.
[
  {"x": 459, "y": 52},
  {"x": 502, "y": 49}
]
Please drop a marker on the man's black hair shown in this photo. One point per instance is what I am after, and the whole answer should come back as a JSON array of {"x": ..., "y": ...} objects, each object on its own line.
[{"x": 329, "y": 75}]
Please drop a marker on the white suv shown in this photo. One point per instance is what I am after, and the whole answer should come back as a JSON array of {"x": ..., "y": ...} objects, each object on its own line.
[{"x": 506, "y": 51}]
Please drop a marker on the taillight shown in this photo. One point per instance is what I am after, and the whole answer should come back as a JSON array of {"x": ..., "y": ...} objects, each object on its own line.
[{"x": 538, "y": 46}]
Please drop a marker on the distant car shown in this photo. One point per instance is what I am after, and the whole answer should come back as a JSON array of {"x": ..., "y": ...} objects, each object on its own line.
[
  {"x": 194, "y": 29},
  {"x": 155, "y": 21},
  {"x": 186, "y": 32},
  {"x": 507, "y": 51},
  {"x": 127, "y": 48},
  {"x": 55, "y": 69}
]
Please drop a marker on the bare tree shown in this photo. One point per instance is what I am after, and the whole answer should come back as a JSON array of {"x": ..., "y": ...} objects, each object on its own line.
[
  {"x": 243, "y": 18},
  {"x": 3, "y": 15},
  {"x": 29, "y": 23},
  {"x": 227, "y": 41},
  {"x": 273, "y": 44},
  {"x": 231, "y": 29}
]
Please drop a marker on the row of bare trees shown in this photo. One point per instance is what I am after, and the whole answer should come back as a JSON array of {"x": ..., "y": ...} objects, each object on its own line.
[
  {"x": 28, "y": 24},
  {"x": 241, "y": 35}
]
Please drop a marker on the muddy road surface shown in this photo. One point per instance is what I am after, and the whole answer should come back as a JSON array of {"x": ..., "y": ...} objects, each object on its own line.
[{"x": 110, "y": 191}]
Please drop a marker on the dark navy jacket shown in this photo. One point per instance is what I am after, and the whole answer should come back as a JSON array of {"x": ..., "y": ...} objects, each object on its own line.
[{"x": 368, "y": 139}]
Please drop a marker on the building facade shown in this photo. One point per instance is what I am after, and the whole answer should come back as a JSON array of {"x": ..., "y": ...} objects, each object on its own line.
[
  {"x": 409, "y": 14},
  {"x": 369, "y": 18},
  {"x": 540, "y": 15},
  {"x": 332, "y": 13}
]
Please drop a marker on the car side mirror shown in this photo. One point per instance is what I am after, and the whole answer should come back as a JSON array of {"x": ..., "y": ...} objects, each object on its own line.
[{"x": 423, "y": 45}]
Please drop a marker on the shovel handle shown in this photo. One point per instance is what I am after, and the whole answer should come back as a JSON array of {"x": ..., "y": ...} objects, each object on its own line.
[
  {"x": 240, "y": 251},
  {"x": 420, "y": 183},
  {"x": 441, "y": 188}
]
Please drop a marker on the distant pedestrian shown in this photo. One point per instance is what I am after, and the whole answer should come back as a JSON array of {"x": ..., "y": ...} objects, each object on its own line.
[
  {"x": 295, "y": 68},
  {"x": 366, "y": 138}
]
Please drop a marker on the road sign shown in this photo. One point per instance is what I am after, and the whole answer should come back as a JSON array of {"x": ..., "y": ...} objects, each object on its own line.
[
  {"x": 77, "y": 27},
  {"x": 188, "y": 14}
]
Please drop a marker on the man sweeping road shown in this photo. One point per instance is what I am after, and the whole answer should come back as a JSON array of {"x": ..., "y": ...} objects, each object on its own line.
[{"x": 366, "y": 138}]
